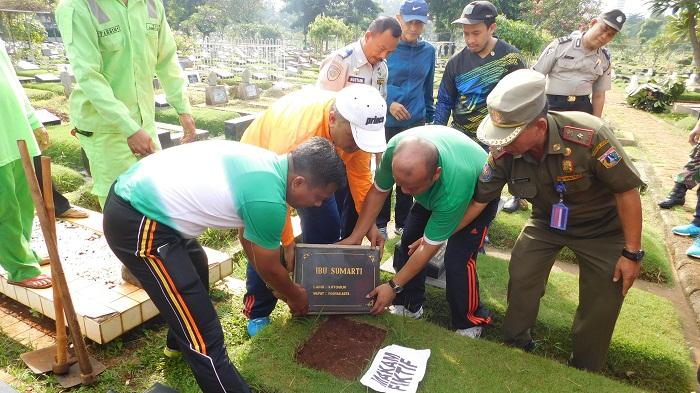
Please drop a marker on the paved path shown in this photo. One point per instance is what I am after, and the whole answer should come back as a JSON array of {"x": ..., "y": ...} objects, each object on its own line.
[{"x": 663, "y": 150}]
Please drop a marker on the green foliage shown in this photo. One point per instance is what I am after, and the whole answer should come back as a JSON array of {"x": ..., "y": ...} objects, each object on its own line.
[
  {"x": 185, "y": 43},
  {"x": 560, "y": 17},
  {"x": 354, "y": 13},
  {"x": 34, "y": 94},
  {"x": 652, "y": 97},
  {"x": 66, "y": 179},
  {"x": 84, "y": 198},
  {"x": 325, "y": 28},
  {"x": 649, "y": 29},
  {"x": 55, "y": 88},
  {"x": 64, "y": 148},
  {"x": 22, "y": 27},
  {"x": 258, "y": 31},
  {"x": 524, "y": 36},
  {"x": 211, "y": 120},
  {"x": 218, "y": 239},
  {"x": 689, "y": 96}
]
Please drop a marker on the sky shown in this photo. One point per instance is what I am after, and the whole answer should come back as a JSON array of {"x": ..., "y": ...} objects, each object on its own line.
[{"x": 627, "y": 6}]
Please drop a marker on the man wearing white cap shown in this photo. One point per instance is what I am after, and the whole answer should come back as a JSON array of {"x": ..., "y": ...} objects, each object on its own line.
[
  {"x": 584, "y": 193},
  {"x": 353, "y": 120}
]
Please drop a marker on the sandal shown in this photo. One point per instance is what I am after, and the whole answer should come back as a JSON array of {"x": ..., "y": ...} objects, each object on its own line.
[
  {"x": 73, "y": 213},
  {"x": 39, "y": 282}
]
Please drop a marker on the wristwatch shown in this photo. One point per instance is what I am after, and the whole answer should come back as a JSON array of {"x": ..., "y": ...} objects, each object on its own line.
[
  {"x": 633, "y": 255},
  {"x": 396, "y": 287}
]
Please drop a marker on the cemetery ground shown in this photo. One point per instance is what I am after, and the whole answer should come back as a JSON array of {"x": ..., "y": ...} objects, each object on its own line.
[{"x": 652, "y": 349}]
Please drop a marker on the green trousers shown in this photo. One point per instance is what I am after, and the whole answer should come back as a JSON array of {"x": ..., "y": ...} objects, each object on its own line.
[
  {"x": 16, "y": 216},
  {"x": 600, "y": 299}
]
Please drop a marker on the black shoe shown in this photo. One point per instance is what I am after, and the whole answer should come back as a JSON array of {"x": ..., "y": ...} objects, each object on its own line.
[
  {"x": 675, "y": 198},
  {"x": 514, "y": 204}
]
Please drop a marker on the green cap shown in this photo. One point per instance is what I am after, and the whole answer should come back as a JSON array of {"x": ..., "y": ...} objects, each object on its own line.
[{"x": 515, "y": 101}]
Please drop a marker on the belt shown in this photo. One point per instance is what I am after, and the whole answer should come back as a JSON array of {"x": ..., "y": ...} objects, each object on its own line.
[{"x": 568, "y": 98}]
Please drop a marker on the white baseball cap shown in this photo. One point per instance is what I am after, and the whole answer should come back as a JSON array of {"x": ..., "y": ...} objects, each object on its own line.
[{"x": 365, "y": 109}]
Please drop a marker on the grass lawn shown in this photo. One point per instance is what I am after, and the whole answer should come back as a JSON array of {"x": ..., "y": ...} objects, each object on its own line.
[
  {"x": 211, "y": 120},
  {"x": 655, "y": 267},
  {"x": 646, "y": 358}
]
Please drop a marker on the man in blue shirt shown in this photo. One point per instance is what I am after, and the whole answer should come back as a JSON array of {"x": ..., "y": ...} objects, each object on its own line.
[{"x": 409, "y": 93}]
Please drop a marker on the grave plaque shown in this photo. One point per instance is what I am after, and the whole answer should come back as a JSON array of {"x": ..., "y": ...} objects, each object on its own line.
[
  {"x": 216, "y": 95},
  {"x": 337, "y": 278}
]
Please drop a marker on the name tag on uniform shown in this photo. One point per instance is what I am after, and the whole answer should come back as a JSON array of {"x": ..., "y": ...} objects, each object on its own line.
[
  {"x": 560, "y": 215},
  {"x": 356, "y": 79}
]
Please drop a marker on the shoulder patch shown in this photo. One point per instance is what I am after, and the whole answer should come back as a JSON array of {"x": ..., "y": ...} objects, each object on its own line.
[
  {"x": 486, "y": 173},
  {"x": 345, "y": 52},
  {"x": 562, "y": 40},
  {"x": 580, "y": 136}
]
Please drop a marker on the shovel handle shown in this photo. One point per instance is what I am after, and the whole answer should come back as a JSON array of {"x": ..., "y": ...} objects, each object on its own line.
[
  {"x": 60, "y": 365},
  {"x": 87, "y": 374}
]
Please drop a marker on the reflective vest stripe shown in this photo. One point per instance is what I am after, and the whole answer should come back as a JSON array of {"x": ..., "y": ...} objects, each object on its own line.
[
  {"x": 97, "y": 11},
  {"x": 152, "y": 10}
]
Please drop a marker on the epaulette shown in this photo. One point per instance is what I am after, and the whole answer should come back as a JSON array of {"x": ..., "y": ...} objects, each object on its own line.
[
  {"x": 345, "y": 52},
  {"x": 496, "y": 153},
  {"x": 562, "y": 40},
  {"x": 579, "y": 136}
]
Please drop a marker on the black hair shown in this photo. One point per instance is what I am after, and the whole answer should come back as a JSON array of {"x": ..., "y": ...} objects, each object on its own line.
[
  {"x": 382, "y": 24},
  {"x": 489, "y": 21},
  {"x": 317, "y": 161}
]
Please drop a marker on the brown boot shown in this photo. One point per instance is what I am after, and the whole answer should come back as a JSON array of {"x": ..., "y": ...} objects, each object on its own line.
[{"x": 675, "y": 198}]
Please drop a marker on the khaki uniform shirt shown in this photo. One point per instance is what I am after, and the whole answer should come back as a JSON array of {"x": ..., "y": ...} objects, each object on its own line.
[
  {"x": 349, "y": 65},
  {"x": 583, "y": 154},
  {"x": 571, "y": 69}
]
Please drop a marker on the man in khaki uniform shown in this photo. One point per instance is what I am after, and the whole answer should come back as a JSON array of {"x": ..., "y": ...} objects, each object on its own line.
[
  {"x": 577, "y": 66},
  {"x": 584, "y": 194},
  {"x": 363, "y": 61}
]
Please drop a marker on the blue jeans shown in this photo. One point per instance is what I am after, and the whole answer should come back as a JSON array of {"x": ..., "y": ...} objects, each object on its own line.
[{"x": 326, "y": 224}]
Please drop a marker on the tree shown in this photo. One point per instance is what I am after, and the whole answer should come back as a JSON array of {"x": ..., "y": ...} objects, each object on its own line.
[
  {"x": 560, "y": 17},
  {"x": 306, "y": 11},
  {"x": 325, "y": 28},
  {"x": 356, "y": 14},
  {"x": 649, "y": 29},
  {"x": 443, "y": 12},
  {"x": 524, "y": 36},
  {"x": 687, "y": 11}
]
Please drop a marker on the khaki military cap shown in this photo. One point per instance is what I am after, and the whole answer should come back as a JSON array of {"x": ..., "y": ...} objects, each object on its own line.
[{"x": 515, "y": 101}]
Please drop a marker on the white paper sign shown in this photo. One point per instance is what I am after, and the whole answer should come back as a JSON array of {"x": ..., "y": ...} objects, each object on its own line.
[{"x": 396, "y": 369}]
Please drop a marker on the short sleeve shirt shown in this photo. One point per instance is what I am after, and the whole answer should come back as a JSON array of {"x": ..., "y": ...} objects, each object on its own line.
[
  {"x": 461, "y": 160},
  {"x": 585, "y": 157},
  {"x": 571, "y": 69},
  {"x": 349, "y": 65},
  {"x": 211, "y": 184}
]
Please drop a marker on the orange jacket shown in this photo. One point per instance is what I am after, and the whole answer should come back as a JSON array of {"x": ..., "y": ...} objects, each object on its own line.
[{"x": 296, "y": 118}]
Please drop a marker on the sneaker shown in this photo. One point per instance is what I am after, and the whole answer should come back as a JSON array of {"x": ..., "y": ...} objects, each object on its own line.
[
  {"x": 171, "y": 353},
  {"x": 404, "y": 312},
  {"x": 514, "y": 204},
  {"x": 256, "y": 325},
  {"x": 398, "y": 231},
  {"x": 686, "y": 230},
  {"x": 384, "y": 233},
  {"x": 694, "y": 250},
  {"x": 472, "y": 332}
]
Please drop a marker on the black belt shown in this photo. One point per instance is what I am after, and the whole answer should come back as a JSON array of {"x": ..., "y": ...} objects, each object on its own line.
[{"x": 567, "y": 98}]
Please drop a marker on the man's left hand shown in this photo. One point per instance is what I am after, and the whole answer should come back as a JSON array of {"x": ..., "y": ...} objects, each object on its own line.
[
  {"x": 376, "y": 239},
  {"x": 628, "y": 270},
  {"x": 384, "y": 296},
  {"x": 188, "y": 127}
]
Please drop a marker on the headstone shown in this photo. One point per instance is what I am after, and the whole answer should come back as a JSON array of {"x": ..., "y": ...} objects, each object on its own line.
[
  {"x": 234, "y": 128},
  {"x": 693, "y": 82},
  {"x": 171, "y": 135},
  {"x": 46, "y": 51},
  {"x": 213, "y": 78},
  {"x": 67, "y": 83},
  {"x": 245, "y": 76},
  {"x": 260, "y": 76},
  {"x": 25, "y": 79},
  {"x": 279, "y": 89},
  {"x": 215, "y": 94},
  {"x": 247, "y": 91},
  {"x": 185, "y": 63},
  {"x": 47, "y": 118},
  {"x": 337, "y": 278},
  {"x": 46, "y": 78},
  {"x": 223, "y": 74},
  {"x": 161, "y": 102},
  {"x": 192, "y": 77},
  {"x": 26, "y": 66}
]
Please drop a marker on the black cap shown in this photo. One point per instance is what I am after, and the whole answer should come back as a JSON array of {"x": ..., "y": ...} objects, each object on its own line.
[
  {"x": 477, "y": 12},
  {"x": 614, "y": 19}
]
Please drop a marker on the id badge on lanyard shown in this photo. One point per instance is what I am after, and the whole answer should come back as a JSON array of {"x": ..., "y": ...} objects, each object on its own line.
[{"x": 560, "y": 212}]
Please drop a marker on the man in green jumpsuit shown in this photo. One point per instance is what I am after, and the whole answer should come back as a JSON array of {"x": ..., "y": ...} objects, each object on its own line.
[
  {"x": 584, "y": 193},
  {"x": 16, "y": 208},
  {"x": 115, "y": 47}
]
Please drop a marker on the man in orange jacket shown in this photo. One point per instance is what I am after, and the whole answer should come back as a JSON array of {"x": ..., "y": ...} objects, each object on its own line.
[{"x": 353, "y": 120}]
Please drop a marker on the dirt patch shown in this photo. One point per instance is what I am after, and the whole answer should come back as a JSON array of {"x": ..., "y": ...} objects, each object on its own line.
[{"x": 342, "y": 347}]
